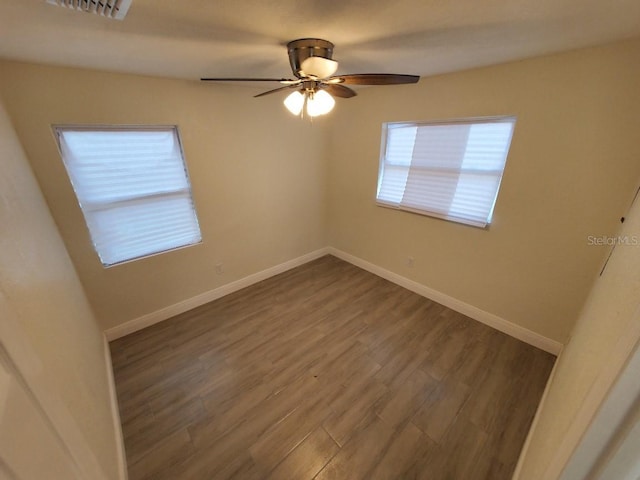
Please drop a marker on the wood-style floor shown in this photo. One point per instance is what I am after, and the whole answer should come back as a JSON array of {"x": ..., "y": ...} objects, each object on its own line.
[{"x": 325, "y": 372}]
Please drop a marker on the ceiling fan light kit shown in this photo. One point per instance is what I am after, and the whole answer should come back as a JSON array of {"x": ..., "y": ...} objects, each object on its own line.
[
  {"x": 316, "y": 84},
  {"x": 318, "y": 67},
  {"x": 317, "y": 103},
  {"x": 295, "y": 102}
]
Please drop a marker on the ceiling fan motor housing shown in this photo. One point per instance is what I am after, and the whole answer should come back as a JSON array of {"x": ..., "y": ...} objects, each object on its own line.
[{"x": 303, "y": 48}]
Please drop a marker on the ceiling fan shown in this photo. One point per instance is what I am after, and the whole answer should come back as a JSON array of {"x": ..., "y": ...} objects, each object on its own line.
[{"x": 315, "y": 84}]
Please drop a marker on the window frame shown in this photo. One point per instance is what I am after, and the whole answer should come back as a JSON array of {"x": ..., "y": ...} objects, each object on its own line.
[
  {"x": 58, "y": 129},
  {"x": 458, "y": 121}
]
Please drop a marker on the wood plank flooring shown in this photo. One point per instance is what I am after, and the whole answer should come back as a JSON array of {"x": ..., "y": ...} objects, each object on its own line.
[{"x": 325, "y": 372}]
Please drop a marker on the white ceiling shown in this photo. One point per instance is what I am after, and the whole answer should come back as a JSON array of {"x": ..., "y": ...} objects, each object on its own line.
[{"x": 190, "y": 39}]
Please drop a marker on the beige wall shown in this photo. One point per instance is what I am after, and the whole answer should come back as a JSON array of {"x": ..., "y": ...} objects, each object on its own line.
[
  {"x": 570, "y": 173},
  {"x": 257, "y": 175},
  {"x": 601, "y": 338},
  {"x": 260, "y": 189},
  {"x": 263, "y": 197},
  {"x": 41, "y": 292}
]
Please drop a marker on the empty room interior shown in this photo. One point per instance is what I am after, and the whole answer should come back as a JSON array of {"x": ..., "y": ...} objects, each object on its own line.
[{"x": 319, "y": 240}]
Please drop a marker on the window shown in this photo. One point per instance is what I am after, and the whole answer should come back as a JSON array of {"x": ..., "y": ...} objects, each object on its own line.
[
  {"x": 445, "y": 170},
  {"x": 133, "y": 189}
]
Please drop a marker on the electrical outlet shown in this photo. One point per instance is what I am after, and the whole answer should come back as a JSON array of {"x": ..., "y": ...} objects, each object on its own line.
[
  {"x": 219, "y": 268},
  {"x": 410, "y": 261}
]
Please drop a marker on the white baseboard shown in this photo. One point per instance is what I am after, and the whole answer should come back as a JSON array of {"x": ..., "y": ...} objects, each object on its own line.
[
  {"x": 476, "y": 313},
  {"x": 206, "y": 297},
  {"x": 115, "y": 414},
  {"x": 494, "y": 321}
]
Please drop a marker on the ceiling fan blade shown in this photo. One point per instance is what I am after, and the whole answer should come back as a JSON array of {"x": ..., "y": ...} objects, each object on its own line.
[
  {"x": 269, "y": 92},
  {"x": 281, "y": 80},
  {"x": 339, "y": 90},
  {"x": 375, "y": 79},
  {"x": 297, "y": 81}
]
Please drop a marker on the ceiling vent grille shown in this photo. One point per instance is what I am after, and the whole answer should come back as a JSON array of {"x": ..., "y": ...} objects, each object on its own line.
[{"x": 107, "y": 8}]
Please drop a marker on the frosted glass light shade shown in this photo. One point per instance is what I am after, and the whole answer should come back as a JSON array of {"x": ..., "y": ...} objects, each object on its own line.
[
  {"x": 294, "y": 102},
  {"x": 320, "y": 103},
  {"x": 319, "y": 67}
]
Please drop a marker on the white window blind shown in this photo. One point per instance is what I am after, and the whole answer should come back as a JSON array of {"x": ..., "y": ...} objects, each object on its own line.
[
  {"x": 133, "y": 188},
  {"x": 446, "y": 170}
]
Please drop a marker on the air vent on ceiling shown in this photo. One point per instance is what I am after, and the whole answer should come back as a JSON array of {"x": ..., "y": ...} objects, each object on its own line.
[{"x": 107, "y": 8}]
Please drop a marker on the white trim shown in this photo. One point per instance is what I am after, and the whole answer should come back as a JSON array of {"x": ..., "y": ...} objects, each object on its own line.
[
  {"x": 532, "y": 338},
  {"x": 595, "y": 397},
  {"x": 165, "y": 313},
  {"x": 598, "y": 451},
  {"x": 536, "y": 419},
  {"x": 115, "y": 413},
  {"x": 516, "y": 331},
  {"x": 622, "y": 457},
  {"x": 28, "y": 369}
]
